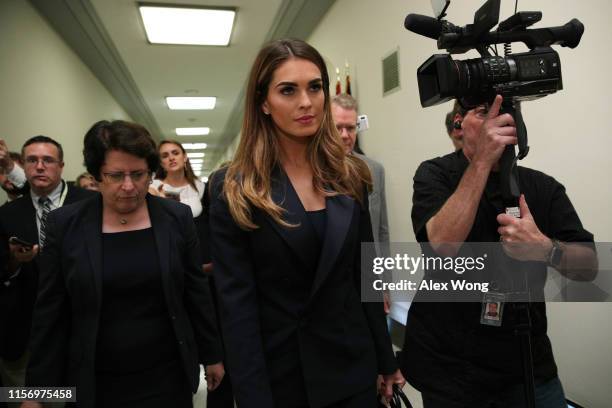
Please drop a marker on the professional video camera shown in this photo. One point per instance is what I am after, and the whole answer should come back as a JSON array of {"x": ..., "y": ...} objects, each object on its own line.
[
  {"x": 517, "y": 77},
  {"x": 524, "y": 76}
]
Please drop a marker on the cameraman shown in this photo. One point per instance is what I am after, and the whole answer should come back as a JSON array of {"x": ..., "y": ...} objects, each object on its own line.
[{"x": 453, "y": 359}]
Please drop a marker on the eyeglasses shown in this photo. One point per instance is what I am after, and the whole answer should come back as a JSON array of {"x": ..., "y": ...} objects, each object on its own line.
[
  {"x": 348, "y": 128},
  {"x": 45, "y": 160},
  {"x": 117, "y": 178}
]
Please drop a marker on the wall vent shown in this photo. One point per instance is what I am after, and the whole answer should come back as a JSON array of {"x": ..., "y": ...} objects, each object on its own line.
[{"x": 391, "y": 73}]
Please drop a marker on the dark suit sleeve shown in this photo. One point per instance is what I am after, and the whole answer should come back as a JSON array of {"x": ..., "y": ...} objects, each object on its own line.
[
  {"x": 197, "y": 297},
  {"x": 204, "y": 227},
  {"x": 374, "y": 311},
  {"x": 4, "y": 250},
  {"x": 51, "y": 321},
  {"x": 235, "y": 281}
]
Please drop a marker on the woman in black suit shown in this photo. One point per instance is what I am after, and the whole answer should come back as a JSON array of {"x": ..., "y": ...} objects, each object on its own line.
[
  {"x": 287, "y": 219},
  {"x": 123, "y": 311}
]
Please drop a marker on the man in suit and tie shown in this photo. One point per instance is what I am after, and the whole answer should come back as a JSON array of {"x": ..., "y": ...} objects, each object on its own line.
[
  {"x": 24, "y": 219},
  {"x": 344, "y": 112}
]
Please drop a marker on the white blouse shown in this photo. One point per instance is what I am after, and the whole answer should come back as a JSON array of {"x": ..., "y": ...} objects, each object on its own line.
[{"x": 187, "y": 194}]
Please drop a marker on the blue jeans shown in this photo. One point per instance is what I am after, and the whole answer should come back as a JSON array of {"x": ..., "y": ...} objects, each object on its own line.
[{"x": 548, "y": 395}]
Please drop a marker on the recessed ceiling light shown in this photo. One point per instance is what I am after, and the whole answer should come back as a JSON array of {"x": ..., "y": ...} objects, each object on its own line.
[
  {"x": 192, "y": 131},
  {"x": 194, "y": 146},
  {"x": 191, "y": 102},
  {"x": 187, "y": 25},
  {"x": 195, "y": 155},
  {"x": 196, "y": 161}
]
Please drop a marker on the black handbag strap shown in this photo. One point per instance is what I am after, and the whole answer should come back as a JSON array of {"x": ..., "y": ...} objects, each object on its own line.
[{"x": 399, "y": 398}]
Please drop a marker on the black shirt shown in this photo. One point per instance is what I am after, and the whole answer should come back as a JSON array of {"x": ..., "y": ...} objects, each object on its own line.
[
  {"x": 446, "y": 350},
  {"x": 318, "y": 219},
  {"x": 137, "y": 361}
]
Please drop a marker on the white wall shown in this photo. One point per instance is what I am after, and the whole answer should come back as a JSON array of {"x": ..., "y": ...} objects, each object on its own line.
[
  {"x": 568, "y": 137},
  {"x": 46, "y": 89},
  {"x": 229, "y": 152}
]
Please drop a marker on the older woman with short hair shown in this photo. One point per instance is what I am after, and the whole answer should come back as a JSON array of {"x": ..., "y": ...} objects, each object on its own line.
[{"x": 123, "y": 312}]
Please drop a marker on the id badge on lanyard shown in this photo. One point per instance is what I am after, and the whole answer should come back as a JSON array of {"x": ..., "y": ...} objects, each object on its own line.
[{"x": 492, "y": 310}]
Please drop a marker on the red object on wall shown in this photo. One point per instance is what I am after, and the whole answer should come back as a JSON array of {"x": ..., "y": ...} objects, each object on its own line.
[
  {"x": 348, "y": 78},
  {"x": 348, "y": 84}
]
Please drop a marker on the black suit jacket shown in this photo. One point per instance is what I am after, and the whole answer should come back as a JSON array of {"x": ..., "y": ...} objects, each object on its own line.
[
  {"x": 66, "y": 314},
  {"x": 17, "y": 295},
  {"x": 291, "y": 312}
]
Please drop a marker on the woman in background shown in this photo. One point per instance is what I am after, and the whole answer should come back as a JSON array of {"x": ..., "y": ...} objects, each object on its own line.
[
  {"x": 87, "y": 181},
  {"x": 287, "y": 220},
  {"x": 175, "y": 179}
]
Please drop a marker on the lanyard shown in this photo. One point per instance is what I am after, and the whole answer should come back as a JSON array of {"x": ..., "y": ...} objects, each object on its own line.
[{"x": 63, "y": 194}]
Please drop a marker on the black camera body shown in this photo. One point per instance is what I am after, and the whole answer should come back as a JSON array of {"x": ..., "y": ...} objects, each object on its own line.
[
  {"x": 524, "y": 76},
  {"x": 517, "y": 77}
]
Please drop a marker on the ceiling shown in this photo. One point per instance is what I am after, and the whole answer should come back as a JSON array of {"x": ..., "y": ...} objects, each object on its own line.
[{"x": 108, "y": 35}]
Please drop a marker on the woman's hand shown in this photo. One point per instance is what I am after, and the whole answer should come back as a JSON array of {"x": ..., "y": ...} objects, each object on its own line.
[
  {"x": 159, "y": 191},
  {"x": 386, "y": 388},
  {"x": 214, "y": 375},
  {"x": 31, "y": 404}
]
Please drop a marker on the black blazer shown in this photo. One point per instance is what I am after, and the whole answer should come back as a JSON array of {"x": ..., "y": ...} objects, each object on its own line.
[
  {"x": 67, "y": 311},
  {"x": 17, "y": 295},
  {"x": 291, "y": 308}
]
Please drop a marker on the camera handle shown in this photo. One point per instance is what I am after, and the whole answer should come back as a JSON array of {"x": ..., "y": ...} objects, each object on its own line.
[
  {"x": 510, "y": 192},
  {"x": 523, "y": 331},
  {"x": 510, "y": 189}
]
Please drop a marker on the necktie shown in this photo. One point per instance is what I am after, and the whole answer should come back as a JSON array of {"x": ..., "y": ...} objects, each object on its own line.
[{"x": 45, "y": 205}]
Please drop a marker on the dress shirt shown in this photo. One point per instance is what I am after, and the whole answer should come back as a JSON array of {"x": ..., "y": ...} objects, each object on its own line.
[{"x": 55, "y": 197}]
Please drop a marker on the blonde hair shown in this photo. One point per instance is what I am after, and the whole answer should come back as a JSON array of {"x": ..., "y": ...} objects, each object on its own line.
[{"x": 248, "y": 178}]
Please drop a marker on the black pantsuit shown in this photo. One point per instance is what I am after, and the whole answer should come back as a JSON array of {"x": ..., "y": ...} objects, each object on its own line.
[
  {"x": 67, "y": 313},
  {"x": 295, "y": 329}
]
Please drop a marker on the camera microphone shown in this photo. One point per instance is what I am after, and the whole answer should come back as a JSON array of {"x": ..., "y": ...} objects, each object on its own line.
[
  {"x": 424, "y": 25},
  {"x": 430, "y": 27}
]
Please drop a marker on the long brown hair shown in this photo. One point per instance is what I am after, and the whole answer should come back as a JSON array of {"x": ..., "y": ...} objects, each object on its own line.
[
  {"x": 161, "y": 173},
  {"x": 248, "y": 178}
]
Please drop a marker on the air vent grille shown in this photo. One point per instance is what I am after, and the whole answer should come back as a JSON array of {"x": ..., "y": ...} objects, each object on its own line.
[{"x": 391, "y": 74}]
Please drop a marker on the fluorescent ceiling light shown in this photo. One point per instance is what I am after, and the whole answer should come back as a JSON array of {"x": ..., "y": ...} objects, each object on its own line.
[
  {"x": 191, "y": 102},
  {"x": 194, "y": 146},
  {"x": 198, "y": 173},
  {"x": 204, "y": 179},
  {"x": 195, "y": 155},
  {"x": 192, "y": 131},
  {"x": 185, "y": 25},
  {"x": 196, "y": 161}
]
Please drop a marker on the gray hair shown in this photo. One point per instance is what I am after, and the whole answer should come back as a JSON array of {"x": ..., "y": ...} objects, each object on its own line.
[{"x": 345, "y": 101}]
